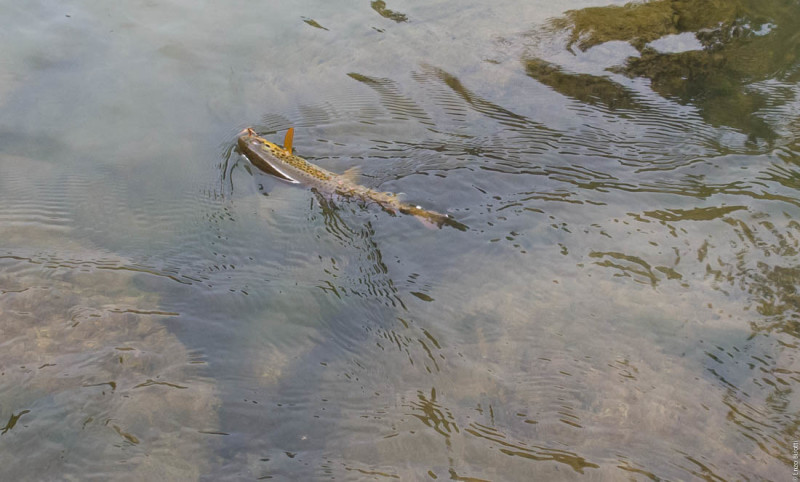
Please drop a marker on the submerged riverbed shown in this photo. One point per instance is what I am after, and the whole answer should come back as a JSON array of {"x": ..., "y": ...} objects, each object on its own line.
[{"x": 623, "y": 304}]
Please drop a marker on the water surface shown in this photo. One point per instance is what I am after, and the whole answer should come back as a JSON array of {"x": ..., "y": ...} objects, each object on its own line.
[{"x": 622, "y": 306}]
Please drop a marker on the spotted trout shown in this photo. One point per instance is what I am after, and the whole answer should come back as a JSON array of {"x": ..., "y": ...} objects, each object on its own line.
[{"x": 280, "y": 162}]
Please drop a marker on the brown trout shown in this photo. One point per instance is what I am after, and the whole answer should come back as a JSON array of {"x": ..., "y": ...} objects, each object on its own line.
[{"x": 280, "y": 162}]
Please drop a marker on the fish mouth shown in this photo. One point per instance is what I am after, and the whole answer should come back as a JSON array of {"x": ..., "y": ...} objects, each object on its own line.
[{"x": 247, "y": 132}]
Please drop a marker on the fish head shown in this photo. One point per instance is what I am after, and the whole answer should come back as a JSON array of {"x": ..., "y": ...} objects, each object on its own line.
[
  {"x": 250, "y": 141},
  {"x": 265, "y": 155}
]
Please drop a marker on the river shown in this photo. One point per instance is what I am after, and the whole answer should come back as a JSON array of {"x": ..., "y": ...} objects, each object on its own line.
[{"x": 622, "y": 306}]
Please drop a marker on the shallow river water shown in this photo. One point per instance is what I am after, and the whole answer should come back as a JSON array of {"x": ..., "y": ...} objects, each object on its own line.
[{"x": 624, "y": 304}]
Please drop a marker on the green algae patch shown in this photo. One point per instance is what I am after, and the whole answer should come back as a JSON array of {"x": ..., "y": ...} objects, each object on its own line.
[
  {"x": 740, "y": 44},
  {"x": 314, "y": 23},
  {"x": 380, "y": 7},
  {"x": 634, "y": 22}
]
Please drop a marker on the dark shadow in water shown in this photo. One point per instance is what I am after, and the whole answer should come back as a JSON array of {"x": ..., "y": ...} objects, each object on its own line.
[
  {"x": 479, "y": 104},
  {"x": 371, "y": 279},
  {"x": 402, "y": 107},
  {"x": 743, "y": 42}
]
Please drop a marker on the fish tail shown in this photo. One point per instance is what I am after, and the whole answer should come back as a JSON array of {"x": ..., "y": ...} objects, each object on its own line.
[{"x": 427, "y": 217}]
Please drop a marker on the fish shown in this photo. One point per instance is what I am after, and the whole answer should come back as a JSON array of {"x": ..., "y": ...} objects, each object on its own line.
[{"x": 280, "y": 162}]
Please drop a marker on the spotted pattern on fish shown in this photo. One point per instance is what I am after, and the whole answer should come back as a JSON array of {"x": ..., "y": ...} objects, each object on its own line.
[{"x": 298, "y": 162}]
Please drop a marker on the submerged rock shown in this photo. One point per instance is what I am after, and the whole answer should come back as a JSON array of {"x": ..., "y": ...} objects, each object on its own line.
[{"x": 93, "y": 383}]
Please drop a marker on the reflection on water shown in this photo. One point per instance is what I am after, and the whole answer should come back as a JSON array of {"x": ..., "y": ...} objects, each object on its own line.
[
  {"x": 586, "y": 88},
  {"x": 623, "y": 304},
  {"x": 742, "y": 44}
]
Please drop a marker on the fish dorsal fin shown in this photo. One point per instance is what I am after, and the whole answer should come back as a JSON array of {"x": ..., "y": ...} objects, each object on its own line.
[
  {"x": 287, "y": 141},
  {"x": 352, "y": 174}
]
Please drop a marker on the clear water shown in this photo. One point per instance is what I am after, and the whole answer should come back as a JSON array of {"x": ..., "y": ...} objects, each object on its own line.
[{"x": 623, "y": 306}]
